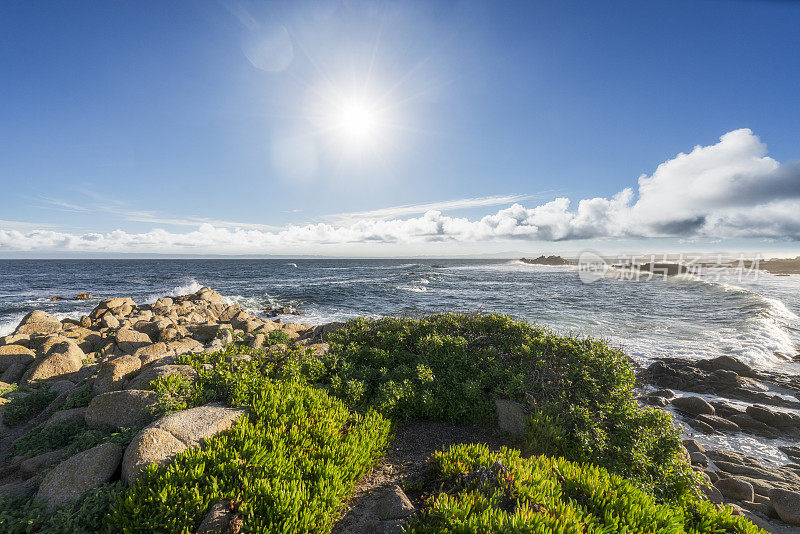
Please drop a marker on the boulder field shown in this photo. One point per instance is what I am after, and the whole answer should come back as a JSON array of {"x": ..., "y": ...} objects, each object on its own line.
[
  {"x": 723, "y": 396},
  {"x": 112, "y": 355}
]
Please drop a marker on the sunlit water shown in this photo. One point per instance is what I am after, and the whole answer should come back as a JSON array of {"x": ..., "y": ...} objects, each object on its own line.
[{"x": 753, "y": 319}]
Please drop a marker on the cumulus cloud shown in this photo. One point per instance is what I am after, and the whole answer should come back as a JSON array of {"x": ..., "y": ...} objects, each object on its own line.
[{"x": 729, "y": 189}]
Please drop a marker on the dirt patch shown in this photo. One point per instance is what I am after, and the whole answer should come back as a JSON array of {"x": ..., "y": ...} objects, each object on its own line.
[{"x": 405, "y": 463}]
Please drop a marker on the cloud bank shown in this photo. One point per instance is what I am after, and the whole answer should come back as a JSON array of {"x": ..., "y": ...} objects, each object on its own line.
[{"x": 731, "y": 189}]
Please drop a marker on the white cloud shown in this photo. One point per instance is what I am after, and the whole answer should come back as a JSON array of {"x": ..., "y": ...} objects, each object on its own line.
[
  {"x": 414, "y": 209},
  {"x": 730, "y": 189}
]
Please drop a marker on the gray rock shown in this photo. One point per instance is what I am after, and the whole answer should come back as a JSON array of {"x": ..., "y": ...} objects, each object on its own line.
[
  {"x": 22, "y": 488},
  {"x": 693, "y": 405},
  {"x": 34, "y": 466},
  {"x": 511, "y": 416},
  {"x": 160, "y": 442},
  {"x": 217, "y": 519},
  {"x": 712, "y": 494},
  {"x": 111, "y": 375},
  {"x": 62, "y": 416},
  {"x": 718, "y": 422},
  {"x": 698, "y": 458},
  {"x": 73, "y": 477},
  {"x": 692, "y": 445},
  {"x": 38, "y": 322},
  {"x": 13, "y": 354},
  {"x": 786, "y": 504},
  {"x": 13, "y": 373},
  {"x": 143, "y": 379},
  {"x": 392, "y": 503},
  {"x": 130, "y": 408},
  {"x": 62, "y": 359},
  {"x": 735, "y": 489},
  {"x": 128, "y": 340}
]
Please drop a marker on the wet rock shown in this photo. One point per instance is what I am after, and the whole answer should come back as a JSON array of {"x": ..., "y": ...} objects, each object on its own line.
[
  {"x": 699, "y": 459},
  {"x": 121, "y": 409},
  {"x": 654, "y": 400},
  {"x": 750, "y": 470},
  {"x": 692, "y": 445},
  {"x": 736, "y": 489},
  {"x": 73, "y": 477},
  {"x": 705, "y": 428},
  {"x": 718, "y": 422},
  {"x": 693, "y": 405},
  {"x": 786, "y": 504},
  {"x": 83, "y": 296},
  {"x": 726, "y": 363},
  {"x": 712, "y": 494},
  {"x": 773, "y": 418}
]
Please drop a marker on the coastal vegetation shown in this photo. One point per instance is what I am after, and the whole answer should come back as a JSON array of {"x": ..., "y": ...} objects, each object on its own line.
[{"x": 270, "y": 427}]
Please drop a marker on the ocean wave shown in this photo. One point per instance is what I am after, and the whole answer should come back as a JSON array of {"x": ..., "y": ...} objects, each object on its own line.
[
  {"x": 191, "y": 286},
  {"x": 412, "y": 288},
  {"x": 9, "y": 325}
]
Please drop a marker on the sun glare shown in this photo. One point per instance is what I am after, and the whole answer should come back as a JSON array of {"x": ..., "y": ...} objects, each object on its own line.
[{"x": 358, "y": 122}]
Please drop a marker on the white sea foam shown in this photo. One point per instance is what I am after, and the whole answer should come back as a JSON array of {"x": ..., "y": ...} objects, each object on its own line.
[
  {"x": 191, "y": 286},
  {"x": 412, "y": 288}
]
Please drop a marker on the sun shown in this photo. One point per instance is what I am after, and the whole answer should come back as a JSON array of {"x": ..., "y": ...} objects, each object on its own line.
[{"x": 358, "y": 121}]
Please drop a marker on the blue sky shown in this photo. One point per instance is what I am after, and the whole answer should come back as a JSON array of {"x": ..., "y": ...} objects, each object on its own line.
[{"x": 396, "y": 128}]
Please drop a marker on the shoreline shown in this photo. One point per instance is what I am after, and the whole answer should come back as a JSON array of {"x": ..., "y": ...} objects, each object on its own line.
[{"x": 119, "y": 339}]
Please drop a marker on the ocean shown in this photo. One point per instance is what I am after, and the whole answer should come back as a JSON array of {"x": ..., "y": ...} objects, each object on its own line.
[{"x": 754, "y": 318}]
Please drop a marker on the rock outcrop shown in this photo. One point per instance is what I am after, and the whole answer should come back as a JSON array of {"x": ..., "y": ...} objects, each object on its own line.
[
  {"x": 169, "y": 436},
  {"x": 73, "y": 477}
]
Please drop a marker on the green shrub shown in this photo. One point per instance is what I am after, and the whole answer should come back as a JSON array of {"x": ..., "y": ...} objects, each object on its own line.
[
  {"x": 277, "y": 336},
  {"x": 25, "y": 407},
  {"x": 452, "y": 367},
  {"x": 73, "y": 435},
  {"x": 287, "y": 468},
  {"x": 476, "y": 490},
  {"x": 23, "y": 516},
  {"x": 79, "y": 398}
]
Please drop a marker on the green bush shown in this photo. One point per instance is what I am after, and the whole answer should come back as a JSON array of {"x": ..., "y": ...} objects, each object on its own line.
[
  {"x": 23, "y": 516},
  {"x": 478, "y": 491},
  {"x": 73, "y": 435},
  {"x": 287, "y": 467},
  {"x": 25, "y": 407},
  {"x": 452, "y": 367},
  {"x": 78, "y": 398}
]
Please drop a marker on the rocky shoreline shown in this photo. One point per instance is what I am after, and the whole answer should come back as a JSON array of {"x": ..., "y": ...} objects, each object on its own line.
[
  {"x": 725, "y": 397},
  {"x": 110, "y": 356}
]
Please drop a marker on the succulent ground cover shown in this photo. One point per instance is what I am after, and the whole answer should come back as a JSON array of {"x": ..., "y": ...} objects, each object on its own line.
[
  {"x": 478, "y": 490},
  {"x": 452, "y": 367},
  {"x": 591, "y": 459}
]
